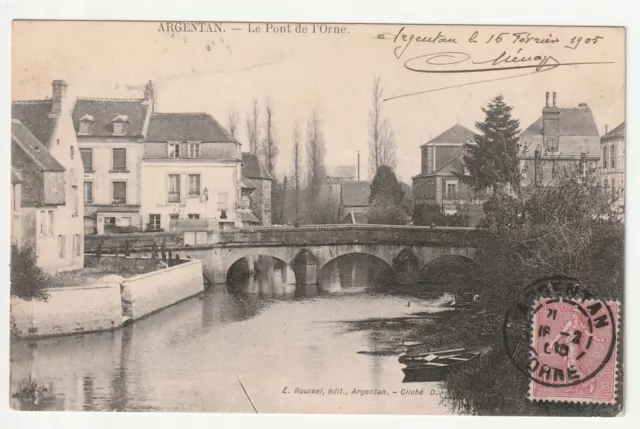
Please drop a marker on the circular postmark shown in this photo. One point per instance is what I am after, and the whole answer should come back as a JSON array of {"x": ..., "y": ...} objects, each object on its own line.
[{"x": 558, "y": 334}]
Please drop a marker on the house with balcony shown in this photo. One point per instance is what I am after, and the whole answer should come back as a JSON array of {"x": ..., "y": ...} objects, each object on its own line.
[
  {"x": 190, "y": 174},
  {"x": 561, "y": 140},
  {"x": 612, "y": 164},
  {"x": 52, "y": 205},
  {"x": 110, "y": 133}
]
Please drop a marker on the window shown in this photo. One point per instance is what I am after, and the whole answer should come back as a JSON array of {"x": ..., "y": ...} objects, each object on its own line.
[
  {"x": 74, "y": 200},
  {"x": 174, "y": 216},
  {"x": 119, "y": 159},
  {"x": 85, "y": 127},
  {"x": 223, "y": 200},
  {"x": 194, "y": 216},
  {"x": 223, "y": 214},
  {"x": 77, "y": 245},
  {"x": 119, "y": 192},
  {"x": 88, "y": 192},
  {"x": 87, "y": 159},
  {"x": 174, "y": 150},
  {"x": 61, "y": 246},
  {"x": 194, "y": 150},
  {"x": 72, "y": 152},
  {"x": 174, "y": 188},
  {"x": 43, "y": 223},
  {"x": 612, "y": 157},
  {"x": 452, "y": 188},
  {"x": 613, "y": 185},
  {"x": 154, "y": 222},
  {"x": 118, "y": 128},
  {"x": 50, "y": 221},
  {"x": 110, "y": 220},
  {"x": 605, "y": 152},
  {"x": 194, "y": 184}
]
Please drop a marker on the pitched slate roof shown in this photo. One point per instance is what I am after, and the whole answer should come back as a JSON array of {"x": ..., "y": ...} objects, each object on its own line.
[
  {"x": 16, "y": 177},
  {"x": 617, "y": 132},
  {"x": 32, "y": 147},
  {"x": 247, "y": 215},
  {"x": 200, "y": 127},
  {"x": 252, "y": 168},
  {"x": 356, "y": 218},
  {"x": 355, "y": 193},
  {"x": 342, "y": 171},
  {"x": 36, "y": 116},
  {"x": 105, "y": 110},
  {"x": 455, "y": 134},
  {"x": 577, "y": 121}
]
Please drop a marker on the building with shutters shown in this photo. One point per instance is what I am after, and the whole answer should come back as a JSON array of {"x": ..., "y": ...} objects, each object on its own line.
[
  {"x": 191, "y": 174},
  {"x": 110, "y": 133},
  {"x": 46, "y": 156}
]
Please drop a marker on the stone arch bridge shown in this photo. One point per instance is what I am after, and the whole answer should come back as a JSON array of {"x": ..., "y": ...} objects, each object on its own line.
[{"x": 406, "y": 249}]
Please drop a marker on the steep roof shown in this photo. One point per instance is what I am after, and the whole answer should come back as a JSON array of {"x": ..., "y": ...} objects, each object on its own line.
[
  {"x": 455, "y": 134},
  {"x": 105, "y": 110},
  {"x": 32, "y": 147},
  {"x": 576, "y": 121},
  {"x": 16, "y": 177},
  {"x": 200, "y": 127},
  {"x": 617, "y": 132},
  {"x": 36, "y": 116},
  {"x": 355, "y": 193},
  {"x": 247, "y": 215},
  {"x": 252, "y": 168},
  {"x": 342, "y": 171}
]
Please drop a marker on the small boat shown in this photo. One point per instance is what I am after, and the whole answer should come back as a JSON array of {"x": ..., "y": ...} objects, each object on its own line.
[{"x": 434, "y": 365}]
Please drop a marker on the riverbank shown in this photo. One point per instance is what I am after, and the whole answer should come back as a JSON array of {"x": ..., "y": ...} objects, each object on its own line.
[{"x": 105, "y": 303}]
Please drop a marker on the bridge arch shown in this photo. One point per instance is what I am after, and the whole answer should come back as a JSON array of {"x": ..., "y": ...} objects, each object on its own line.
[
  {"x": 382, "y": 270},
  {"x": 452, "y": 270},
  {"x": 255, "y": 263}
]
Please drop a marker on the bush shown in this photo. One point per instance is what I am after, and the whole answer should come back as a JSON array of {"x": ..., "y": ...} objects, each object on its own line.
[
  {"x": 431, "y": 214},
  {"x": 28, "y": 281},
  {"x": 386, "y": 214}
]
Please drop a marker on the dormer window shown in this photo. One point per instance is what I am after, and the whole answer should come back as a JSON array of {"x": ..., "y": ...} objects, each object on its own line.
[
  {"x": 86, "y": 124},
  {"x": 174, "y": 150},
  {"x": 119, "y": 124}
]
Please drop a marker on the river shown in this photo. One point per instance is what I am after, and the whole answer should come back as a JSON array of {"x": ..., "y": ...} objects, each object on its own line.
[{"x": 263, "y": 336}]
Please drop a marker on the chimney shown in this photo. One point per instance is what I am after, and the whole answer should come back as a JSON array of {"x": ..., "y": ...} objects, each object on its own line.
[
  {"x": 606, "y": 128},
  {"x": 150, "y": 94},
  {"x": 59, "y": 92},
  {"x": 358, "y": 166},
  {"x": 547, "y": 100},
  {"x": 550, "y": 126}
]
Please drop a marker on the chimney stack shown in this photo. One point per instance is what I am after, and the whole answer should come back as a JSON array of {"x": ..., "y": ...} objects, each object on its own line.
[
  {"x": 58, "y": 94},
  {"x": 606, "y": 128},
  {"x": 358, "y": 166},
  {"x": 547, "y": 100},
  {"x": 551, "y": 126}
]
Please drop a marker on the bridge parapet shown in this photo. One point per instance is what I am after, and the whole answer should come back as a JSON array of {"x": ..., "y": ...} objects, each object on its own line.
[{"x": 347, "y": 234}]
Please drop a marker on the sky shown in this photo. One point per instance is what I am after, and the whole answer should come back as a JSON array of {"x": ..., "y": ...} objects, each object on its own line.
[{"x": 333, "y": 73}]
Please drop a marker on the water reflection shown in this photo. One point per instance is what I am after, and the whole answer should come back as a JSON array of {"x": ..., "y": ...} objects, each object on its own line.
[{"x": 265, "y": 331}]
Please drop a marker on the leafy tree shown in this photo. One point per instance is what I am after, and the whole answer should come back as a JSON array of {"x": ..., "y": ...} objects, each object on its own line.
[
  {"x": 28, "y": 281},
  {"x": 493, "y": 159},
  {"x": 385, "y": 188}
]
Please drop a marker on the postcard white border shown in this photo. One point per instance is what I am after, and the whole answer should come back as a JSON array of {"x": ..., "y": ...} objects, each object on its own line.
[{"x": 539, "y": 12}]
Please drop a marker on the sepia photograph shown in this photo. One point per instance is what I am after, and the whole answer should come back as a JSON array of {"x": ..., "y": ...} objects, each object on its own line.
[{"x": 317, "y": 218}]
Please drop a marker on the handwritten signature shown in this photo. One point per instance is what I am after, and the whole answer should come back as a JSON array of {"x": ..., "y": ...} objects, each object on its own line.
[{"x": 442, "y": 62}]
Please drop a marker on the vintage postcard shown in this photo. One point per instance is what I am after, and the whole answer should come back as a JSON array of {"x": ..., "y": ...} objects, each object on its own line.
[{"x": 299, "y": 217}]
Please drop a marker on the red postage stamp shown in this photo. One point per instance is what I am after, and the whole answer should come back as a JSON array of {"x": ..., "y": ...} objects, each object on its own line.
[{"x": 574, "y": 351}]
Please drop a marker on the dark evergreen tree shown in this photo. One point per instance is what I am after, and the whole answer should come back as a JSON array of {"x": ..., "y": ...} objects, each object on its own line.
[
  {"x": 493, "y": 160},
  {"x": 385, "y": 188}
]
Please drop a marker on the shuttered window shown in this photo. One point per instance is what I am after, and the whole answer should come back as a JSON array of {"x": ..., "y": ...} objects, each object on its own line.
[
  {"x": 119, "y": 192},
  {"x": 119, "y": 159},
  {"x": 87, "y": 159}
]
